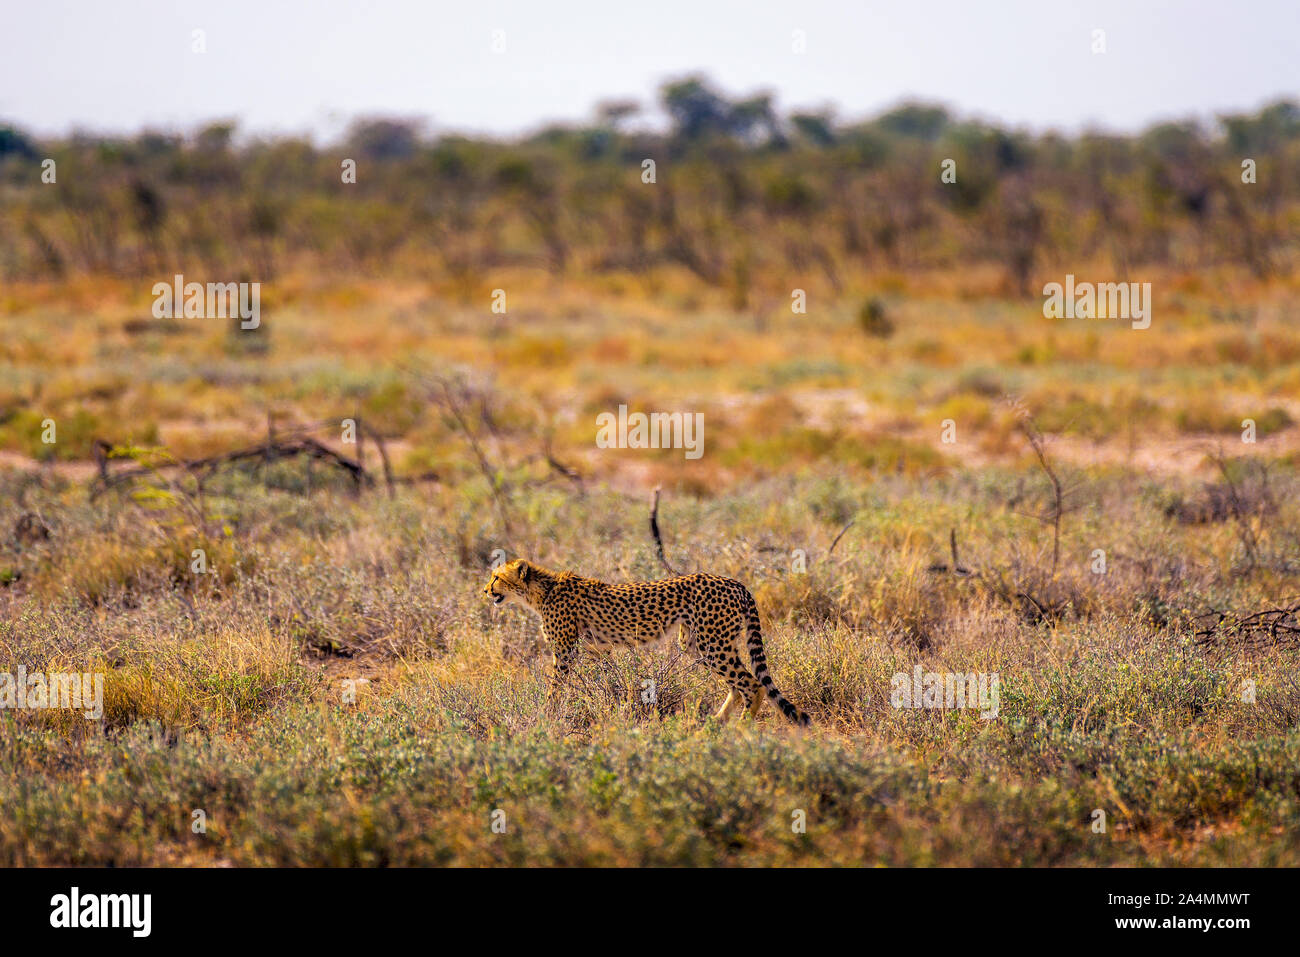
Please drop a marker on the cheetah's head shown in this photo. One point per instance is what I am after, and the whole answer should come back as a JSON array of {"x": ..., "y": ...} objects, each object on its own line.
[{"x": 516, "y": 581}]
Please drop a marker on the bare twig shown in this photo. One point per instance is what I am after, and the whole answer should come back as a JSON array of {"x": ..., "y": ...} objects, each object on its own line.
[
  {"x": 1239, "y": 510},
  {"x": 995, "y": 583},
  {"x": 839, "y": 536},
  {"x": 491, "y": 473},
  {"x": 957, "y": 567},
  {"x": 383, "y": 455},
  {"x": 361, "y": 440},
  {"x": 1035, "y": 439},
  {"x": 556, "y": 465}
]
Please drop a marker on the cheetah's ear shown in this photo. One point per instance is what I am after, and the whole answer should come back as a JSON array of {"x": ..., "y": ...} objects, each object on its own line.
[{"x": 523, "y": 570}]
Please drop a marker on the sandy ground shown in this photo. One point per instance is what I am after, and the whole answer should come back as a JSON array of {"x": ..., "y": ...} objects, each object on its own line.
[{"x": 1157, "y": 457}]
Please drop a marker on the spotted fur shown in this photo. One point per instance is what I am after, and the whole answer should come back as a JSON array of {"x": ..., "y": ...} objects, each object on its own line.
[{"x": 712, "y": 615}]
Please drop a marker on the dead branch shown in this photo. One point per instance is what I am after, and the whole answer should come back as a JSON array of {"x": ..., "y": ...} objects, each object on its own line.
[
  {"x": 383, "y": 455},
  {"x": 995, "y": 584},
  {"x": 491, "y": 473},
  {"x": 1241, "y": 514},
  {"x": 557, "y": 466},
  {"x": 1271, "y": 626},
  {"x": 839, "y": 536},
  {"x": 957, "y": 568},
  {"x": 266, "y": 451},
  {"x": 1035, "y": 439}
]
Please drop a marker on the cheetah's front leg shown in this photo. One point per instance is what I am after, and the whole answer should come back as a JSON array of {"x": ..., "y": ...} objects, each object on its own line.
[{"x": 564, "y": 651}]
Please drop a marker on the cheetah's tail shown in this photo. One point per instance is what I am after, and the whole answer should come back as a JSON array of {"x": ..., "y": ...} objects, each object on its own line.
[{"x": 759, "y": 661}]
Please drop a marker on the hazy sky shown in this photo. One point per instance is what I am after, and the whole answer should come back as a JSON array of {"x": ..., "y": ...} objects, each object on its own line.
[{"x": 119, "y": 65}]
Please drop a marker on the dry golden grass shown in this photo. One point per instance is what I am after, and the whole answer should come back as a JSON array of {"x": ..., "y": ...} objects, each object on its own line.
[{"x": 230, "y": 692}]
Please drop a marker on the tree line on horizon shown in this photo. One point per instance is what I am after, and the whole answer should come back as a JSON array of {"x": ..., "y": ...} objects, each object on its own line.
[{"x": 743, "y": 197}]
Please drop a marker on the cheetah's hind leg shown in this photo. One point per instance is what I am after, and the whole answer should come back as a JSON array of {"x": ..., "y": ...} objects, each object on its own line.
[
  {"x": 728, "y": 706},
  {"x": 742, "y": 687}
]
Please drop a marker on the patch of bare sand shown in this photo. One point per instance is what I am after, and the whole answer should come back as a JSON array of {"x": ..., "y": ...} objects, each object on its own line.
[{"x": 76, "y": 470}]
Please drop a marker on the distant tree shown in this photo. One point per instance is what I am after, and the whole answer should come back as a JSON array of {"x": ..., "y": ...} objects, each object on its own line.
[
  {"x": 753, "y": 120},
  {"x": 384, "y": 139},
  {"x": 696, "y": 110},
  {"x": 15, "y": 143},
  {"x": 915, "y": 121},
  {"x": 613, "y": 113},
  {"x": 150, "y": 211},
  {"x": 215, "y": 137},
  {"x": 1273, "y": 127},
  {"x": 817, "y": 129}
]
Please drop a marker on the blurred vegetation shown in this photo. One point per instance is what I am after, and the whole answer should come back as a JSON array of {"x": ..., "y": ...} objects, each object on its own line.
[
  {"x": 228, "y": 692},
  {"x": 743, "y": 196}
]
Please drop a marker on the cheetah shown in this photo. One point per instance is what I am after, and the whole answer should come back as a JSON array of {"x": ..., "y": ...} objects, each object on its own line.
[{"x": 711, "y": 615}]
